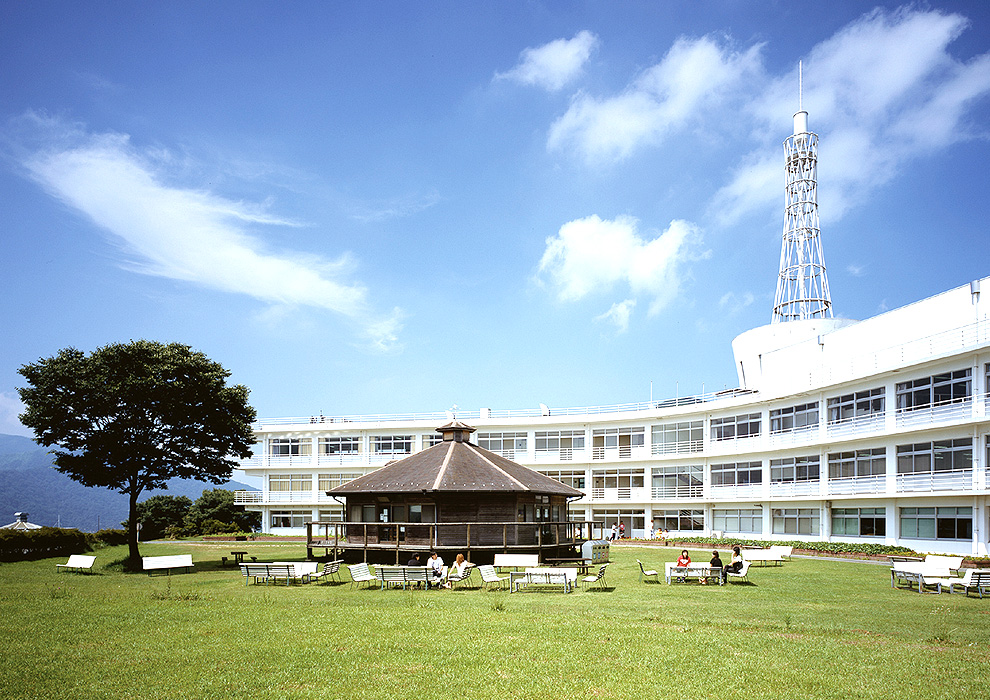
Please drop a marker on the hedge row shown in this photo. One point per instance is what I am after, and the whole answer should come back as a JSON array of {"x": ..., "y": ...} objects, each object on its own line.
[
  {"x": 865, "y": 548},
  {"x": 20, "y": 545}
]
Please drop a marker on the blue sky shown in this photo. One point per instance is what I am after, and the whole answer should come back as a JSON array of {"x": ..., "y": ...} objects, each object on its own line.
[{"x": 388, "y": 207}]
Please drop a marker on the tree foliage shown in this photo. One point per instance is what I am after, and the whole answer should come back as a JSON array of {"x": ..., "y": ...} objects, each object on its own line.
[
  {"x": 159, "y": 513},
  {"x": 129, "y": 417},
  {"x": 215, "y": 511}
]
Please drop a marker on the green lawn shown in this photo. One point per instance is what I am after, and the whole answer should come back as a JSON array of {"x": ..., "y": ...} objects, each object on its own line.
[{"x": 808, "y": 629}]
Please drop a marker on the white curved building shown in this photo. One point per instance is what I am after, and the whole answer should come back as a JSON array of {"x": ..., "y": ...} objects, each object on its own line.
[
  {"x": 859, "y": 431},
  {"x": 868, "y": 431}
]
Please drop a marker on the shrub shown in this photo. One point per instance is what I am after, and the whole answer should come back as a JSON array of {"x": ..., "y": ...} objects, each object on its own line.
[
  {"x": 107, "y": 538},
  {"x": 19, "y": 545}
]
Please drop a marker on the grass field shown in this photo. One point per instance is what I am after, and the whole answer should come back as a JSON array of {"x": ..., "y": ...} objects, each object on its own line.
[{"x": 807, "y": 629}]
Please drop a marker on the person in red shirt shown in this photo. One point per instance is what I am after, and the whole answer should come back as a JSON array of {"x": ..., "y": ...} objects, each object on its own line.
[{"x": 683, "y": 560}]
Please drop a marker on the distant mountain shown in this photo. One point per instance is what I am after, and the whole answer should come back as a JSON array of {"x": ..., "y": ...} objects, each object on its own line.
[{"x": 29, "y": 483}]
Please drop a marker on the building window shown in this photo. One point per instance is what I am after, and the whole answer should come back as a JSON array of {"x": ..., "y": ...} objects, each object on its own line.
[
  {"x": 678, "y": 438},
  {"x": 737, "y": 474},
  {"x": 736, "y": 427},
  {"x": 738, "y": 520},
  {"x": 678, "y": 481},
  {"x": 859, "y": 522},
  {"x": 505, "y": 444},
  {"x": 332, "y": 515},
  {"x": 796, "y": 521},
  {"x": 563, "y": 442},
  {"x": 937, "y": 523},
  {"x": 290, "y": 518},
  {"x": 392, "y": 444},
  {"x": 685, "y": 520},
  {"x": 862, "y": 404},
  {"x": 936, "y": 390},
  {"x": 340, "y": 445},
  {"x": 843, "y": 465},
  {"x": 621, "y": 479},
  {"x": 332, "y": 481},
  {"x": 422, "y": 513},
  {"x": 432, "y": 439},
  {"x": 291, "y": 447},
  {"x": 622, "y": 440},
  {"x": 792, "y": 418},
  {"x": 935, "y": 457},
  {"x": 794, "y": 469},
  {"x": 575, "y": 479},
  {"x": 634, "y": 519},
  {"x": 290, "y": 482}
]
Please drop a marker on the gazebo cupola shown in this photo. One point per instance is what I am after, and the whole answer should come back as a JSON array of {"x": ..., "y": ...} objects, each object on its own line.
[{"x": 456, "y": 431}]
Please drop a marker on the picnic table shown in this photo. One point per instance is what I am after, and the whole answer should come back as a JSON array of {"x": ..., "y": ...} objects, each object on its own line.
[
  {"x": 698, "y": 571},
  {"x": 239, "y": 557},
  {"x": 582, "y": 563}
]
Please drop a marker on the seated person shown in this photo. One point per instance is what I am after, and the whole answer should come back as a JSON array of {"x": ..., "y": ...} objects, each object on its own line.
[
  {"x": 414, "y": 561},
  {"x": 438, "y": 572},
  {"x": 683, "y": 560},
  {"x": 715, "y": 563},
  {"x": 736, "y": 564},
  {"x": 458, "y": 568}
]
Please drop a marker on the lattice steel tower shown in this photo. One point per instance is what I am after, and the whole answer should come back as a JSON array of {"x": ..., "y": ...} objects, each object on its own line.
[{"x": 802, "y": 287}]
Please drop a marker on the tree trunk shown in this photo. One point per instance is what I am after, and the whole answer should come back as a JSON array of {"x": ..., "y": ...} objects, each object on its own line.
[{"x": 133, "y": 555}]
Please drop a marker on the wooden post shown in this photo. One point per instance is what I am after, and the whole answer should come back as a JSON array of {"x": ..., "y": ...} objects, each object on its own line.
[{"x": 469, "y": 541}]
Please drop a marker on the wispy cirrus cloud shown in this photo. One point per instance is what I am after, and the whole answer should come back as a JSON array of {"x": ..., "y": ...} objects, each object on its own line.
[
  {"x": 553, "y": 65},
  {"x": 398, "y": 208},
  {"x": 190, "y": 234},
  {"x": 592, "y": 255}
]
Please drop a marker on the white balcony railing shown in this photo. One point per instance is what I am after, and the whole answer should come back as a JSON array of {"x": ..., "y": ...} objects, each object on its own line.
[
  {"x": 793, "y": 488},
  {"x": 242, "y": 498},
  {"x": 801, "y": 436},
  {"x": 955, "y": 480},
  {"x": 857, "y": 425},
  {"x": 737, "y": 492},
  {"x": 876, "y": 483},
  {"x": 663, "y": 493},
  {"x": 620, "y": 452},
  {"x": 935, "y": 414},
  {"x": 678, "y": 448}
]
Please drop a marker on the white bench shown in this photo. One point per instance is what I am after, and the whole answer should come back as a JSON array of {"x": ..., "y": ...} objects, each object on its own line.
[
  {"x": 762, "y": 556},
  {"x": 166, "y": 564},
  {"x": 544, "y": 577},
  {"x": 77, "y": 562},
  {"x": 516, "y": 561},
  {"x": 361, "y": 573},
  {"x": 267, "y": 573},
  {"x": 784, "y": 552}
]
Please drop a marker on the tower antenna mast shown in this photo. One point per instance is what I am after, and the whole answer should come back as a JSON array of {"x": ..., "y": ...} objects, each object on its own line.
[{"x": 802, "y": 285}]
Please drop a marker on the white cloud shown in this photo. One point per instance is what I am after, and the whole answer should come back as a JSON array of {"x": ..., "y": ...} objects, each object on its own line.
[
  {"x": 882, "y": 92},
  {"x": 619, "y": 314},
  {"x": 733, "y": 303},
  {"x": 10, "y": 408},
  {"x": 194, "y": 235},
  {"x": 593, "y": 255},
  {"x": 855, "y": 270},
  {"x": 553, "y": 65},
  {"x": 695, "y": 74}
]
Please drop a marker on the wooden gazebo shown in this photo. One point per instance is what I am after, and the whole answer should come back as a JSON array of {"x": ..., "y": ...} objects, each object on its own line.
[{"x": 452, "y": 497}]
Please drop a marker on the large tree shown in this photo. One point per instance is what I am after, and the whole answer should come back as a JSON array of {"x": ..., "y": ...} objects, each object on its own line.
[{"x": 129, "y": 417}]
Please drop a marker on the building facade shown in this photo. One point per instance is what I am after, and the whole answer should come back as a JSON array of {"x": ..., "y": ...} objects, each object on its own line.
[{"x": 868, "y": 431}]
